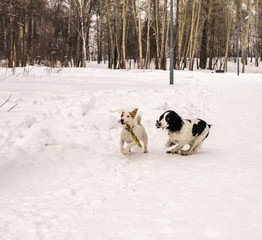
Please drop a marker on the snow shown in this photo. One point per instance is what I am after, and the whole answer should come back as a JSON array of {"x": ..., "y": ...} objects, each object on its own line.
[{"x": 62, "y": 175}]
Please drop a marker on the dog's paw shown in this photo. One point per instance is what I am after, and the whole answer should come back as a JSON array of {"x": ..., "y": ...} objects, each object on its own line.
[
  {"x": 125, "y": 152},
  {"x": 169, "y": 144},
  {"x": 172, "y": 152},
  {"x": 185, "y": 153}
]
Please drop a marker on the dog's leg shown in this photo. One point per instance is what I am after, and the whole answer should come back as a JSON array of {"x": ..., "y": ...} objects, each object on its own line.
[
  {"x": 187, "y": 152},
  {"x": 121, "y": 145},
  {"x": 128, "y": 147},
  {"x": 145, "y": 141},
  {"x": 195, "y": 146},
  {"x": 169, "y": 143},
  {"x": 176, "y": 149}
]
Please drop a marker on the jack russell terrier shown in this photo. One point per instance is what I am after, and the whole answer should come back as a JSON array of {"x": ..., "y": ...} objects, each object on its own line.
[{"x": 138, "y": 130}]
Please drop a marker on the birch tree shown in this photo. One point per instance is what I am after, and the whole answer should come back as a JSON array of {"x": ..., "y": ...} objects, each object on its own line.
[
  {"x": 245, "y": 53},
  {"x": 99, "y": 52},
  {"x": 68, "y": 31},
  {"x": 125, "y": 7},
  {"x": 203, "y": 48},
  {"x": 147, "y": 35},
  {"x": 229, "y": 27},
  {"x": 117, "y": 35},
  {"x": 162, "y": 53},
  {"x": 82, "y": 6},
  {"x": 111, "y": 57},
  {"x": 195, "y": 35},
  {"x": 138, "y": 30},
  {"x": 156, "y": 8}
]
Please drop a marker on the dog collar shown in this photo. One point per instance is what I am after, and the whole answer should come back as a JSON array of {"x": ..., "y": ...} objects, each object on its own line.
[{"x": 128, "y": 129}]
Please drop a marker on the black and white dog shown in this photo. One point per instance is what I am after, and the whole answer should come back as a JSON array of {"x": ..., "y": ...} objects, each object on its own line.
[{"x": 183, "y": 132}]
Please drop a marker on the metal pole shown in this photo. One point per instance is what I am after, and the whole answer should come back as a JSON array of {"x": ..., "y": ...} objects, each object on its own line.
[
  {"x": 238, "y": 50},
  {"x": 171, "y": 45}
]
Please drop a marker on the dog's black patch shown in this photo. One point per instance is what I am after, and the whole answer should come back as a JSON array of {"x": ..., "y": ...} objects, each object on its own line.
[
  {"x": 161, "y": 117},
  {"x": 198, "y": 128},
  {"x": 174, "y": 121},
  {"x": 169, "y": 152}
]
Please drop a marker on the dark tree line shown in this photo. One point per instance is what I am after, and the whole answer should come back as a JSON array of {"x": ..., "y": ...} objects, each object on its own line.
[{"x": 125, "y": 32}]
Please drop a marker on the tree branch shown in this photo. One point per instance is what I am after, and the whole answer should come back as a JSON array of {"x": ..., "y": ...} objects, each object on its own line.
[
  {"x": 6, "y": 101},
  {"x": 12, "y": 107}
]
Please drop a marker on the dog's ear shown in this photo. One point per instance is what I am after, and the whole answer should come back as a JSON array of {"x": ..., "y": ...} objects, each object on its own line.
[
  {"x": 175, "y": 122},
  {"x": 133, "y": 114}
]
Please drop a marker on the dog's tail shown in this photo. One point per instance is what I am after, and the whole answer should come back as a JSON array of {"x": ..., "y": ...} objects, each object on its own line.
[{"x": 138, "y": 119}]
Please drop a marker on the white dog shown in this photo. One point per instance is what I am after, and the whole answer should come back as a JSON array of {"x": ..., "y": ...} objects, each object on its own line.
[
  {"x": 138, "y": 129},
  {"x": 183, "y": 132}
]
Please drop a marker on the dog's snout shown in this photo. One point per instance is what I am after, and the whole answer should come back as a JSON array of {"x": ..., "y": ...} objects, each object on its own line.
[
  {"x": 158, "y": 124},
  {"x": 122, "y": 121}
]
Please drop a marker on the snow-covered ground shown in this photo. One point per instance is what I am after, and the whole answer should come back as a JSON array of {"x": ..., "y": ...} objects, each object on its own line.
[{"x": 62, "y": 176}]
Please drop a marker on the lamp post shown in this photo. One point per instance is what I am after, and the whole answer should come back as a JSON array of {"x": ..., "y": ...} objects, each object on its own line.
[{"x": 171, "y": 45}]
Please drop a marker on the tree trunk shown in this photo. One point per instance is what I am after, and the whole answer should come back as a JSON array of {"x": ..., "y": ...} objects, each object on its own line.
[
  {"x": 117, "y": 51},
  {"x": 68, "y": 34},
  {"x": 138, "y": 30},
  {"x": 83, "y": 35},
  {"x": 12, "y": 44},
  {"x": 191, "y": 56},
  {"x": 32, "y": 42},
  {"x": 162, "y": 54},
  {"x": 99, "y": 57},
  {"x": 245, "y": 52},
  {"x": 147, "y": 36},
  {"x": 125, "y": 7},
  {"x": 182, "y": 37},
  {"x": 227, "y": 44},
  {"x": 257, "y": 47},
  {"x": 111, "y": 35},
  {"x": 4, "y": 37},
  {"x": 78, "y": 39},
  {"x": 176, "y": 56},
  {"x": 211, "y": 43},
  {"x": 140, "y": 38},
  {"x": 203, "y": 49},
  {"x": 166, "y": 41},
  {"x": 157, "y": 33}
]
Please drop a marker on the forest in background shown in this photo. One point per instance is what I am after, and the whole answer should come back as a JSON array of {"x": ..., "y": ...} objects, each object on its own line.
[{"x": 70, "y": 32}]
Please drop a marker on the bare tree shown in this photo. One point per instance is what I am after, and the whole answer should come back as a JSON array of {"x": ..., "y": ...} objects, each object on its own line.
[
  {"x": 156, "y": 9},
  {"x": 162, "y": 53},
  {"x": 147, "y": 35},
  {"x": 125, "y": 7},
  {"x": 229, "y": 19},
  {"x": 111, "y": 57},
  {"x": 53, "y": 32},
  {"x": 245, "y": 50},
  {"x": 138, "y": 29}
]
